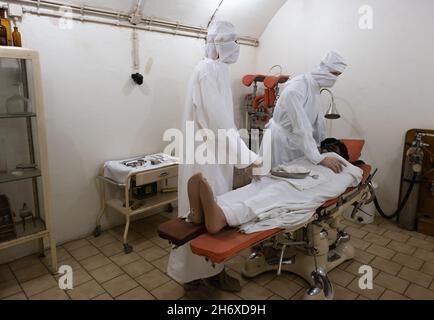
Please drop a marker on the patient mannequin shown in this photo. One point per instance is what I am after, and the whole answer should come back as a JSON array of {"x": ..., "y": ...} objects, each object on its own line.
[
  {"x": 204, "y": 208},
  {"x": 203, "y": 205}
]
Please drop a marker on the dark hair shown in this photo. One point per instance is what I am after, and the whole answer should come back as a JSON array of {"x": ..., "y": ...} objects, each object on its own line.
[{"x": 329, "y": 144}]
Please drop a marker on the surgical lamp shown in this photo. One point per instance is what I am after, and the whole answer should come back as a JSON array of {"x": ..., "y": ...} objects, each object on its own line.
[{"x": 332, "y": 112}]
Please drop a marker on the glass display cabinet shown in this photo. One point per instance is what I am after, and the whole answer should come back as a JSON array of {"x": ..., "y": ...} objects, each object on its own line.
[{"x": 25, "y": 208}]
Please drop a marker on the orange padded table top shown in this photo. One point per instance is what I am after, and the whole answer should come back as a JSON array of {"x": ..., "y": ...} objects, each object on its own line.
[{"x": 224, "y": 245}]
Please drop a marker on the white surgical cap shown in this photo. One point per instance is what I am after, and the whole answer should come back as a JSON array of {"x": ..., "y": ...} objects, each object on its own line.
[
  {"x": 219, "y": 46},
  {"x": 331, "y": 62},
  {"x": 334, "y": 62}
]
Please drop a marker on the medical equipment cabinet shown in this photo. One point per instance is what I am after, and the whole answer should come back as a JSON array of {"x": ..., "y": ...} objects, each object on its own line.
[
  {"x": 160, "y": 181},
  {"x": 24, "y": 179}
]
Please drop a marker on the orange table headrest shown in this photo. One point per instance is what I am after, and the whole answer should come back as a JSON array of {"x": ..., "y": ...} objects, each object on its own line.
[{"x": 355, "y": 147}]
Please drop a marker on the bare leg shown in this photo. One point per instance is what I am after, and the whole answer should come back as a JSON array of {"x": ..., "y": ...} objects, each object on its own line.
[
  {"x": 193, "y": 187},
  {"x": 215, "y": 219}
]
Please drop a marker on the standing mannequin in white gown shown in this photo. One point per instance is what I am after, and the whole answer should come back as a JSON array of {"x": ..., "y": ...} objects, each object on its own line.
[
  {"x": 210, "y": 105},
  {"x": 298, "y": 124}
]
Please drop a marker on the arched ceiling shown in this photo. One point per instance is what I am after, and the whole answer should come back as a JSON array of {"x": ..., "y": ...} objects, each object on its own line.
[{"x": 251, "y": 17}]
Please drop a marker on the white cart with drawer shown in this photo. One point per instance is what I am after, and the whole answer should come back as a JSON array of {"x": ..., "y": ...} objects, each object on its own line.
[{"x": 165, "y": 178}]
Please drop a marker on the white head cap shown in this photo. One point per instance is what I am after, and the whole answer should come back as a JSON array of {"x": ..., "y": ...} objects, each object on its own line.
[
  {"x": 334, "y": 62},
  {"x": 221, "y": 43}
]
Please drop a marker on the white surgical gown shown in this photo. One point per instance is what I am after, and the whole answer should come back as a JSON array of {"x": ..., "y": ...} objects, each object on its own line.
[
  {"x": 298, "y": 124},
  {"x": 210, "y": 106}
]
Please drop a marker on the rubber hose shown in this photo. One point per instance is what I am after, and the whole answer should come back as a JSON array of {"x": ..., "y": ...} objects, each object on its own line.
[{"x": 401, "y": 205}]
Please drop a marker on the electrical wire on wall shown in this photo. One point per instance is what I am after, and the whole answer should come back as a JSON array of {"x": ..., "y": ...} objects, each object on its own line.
[{"x": 214, "y": 14}]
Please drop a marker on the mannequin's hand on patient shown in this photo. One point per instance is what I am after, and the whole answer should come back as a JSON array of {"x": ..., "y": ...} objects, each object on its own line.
[{"x": 334, "y": 164}]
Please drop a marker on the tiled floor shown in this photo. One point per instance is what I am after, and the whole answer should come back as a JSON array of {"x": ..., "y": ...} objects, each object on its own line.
[{"x": 403, "y": 265}]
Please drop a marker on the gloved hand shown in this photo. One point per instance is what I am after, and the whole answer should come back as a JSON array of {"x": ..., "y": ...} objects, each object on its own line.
[
  {"x": 334, "y": 164},
  {"x": 250, "y": 169}
]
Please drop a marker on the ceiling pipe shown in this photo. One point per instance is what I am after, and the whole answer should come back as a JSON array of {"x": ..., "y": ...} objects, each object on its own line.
[{"x": 121, "y": 19}]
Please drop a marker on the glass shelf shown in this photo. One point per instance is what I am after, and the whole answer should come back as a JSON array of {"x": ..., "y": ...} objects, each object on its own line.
[
  {"x": 28, "y": 174},
  {"x": 32, "y": 229},
  {"x": 21, "y": 115}
]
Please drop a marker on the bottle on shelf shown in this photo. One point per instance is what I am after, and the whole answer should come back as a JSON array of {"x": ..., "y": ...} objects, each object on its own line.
[
  {"x": 16, "y": 36},
  {"x": 3, "y": 36},
  {"x": 6, "y": 24},
  {"x": 18, "y": 103}
]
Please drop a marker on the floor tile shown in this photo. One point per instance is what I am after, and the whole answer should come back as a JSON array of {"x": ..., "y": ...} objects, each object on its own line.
[
  {"x": 391, "y": 282},
  {"x": 5, "y": 273},
  {"x": 378, "y": 240},
  {"x": 16, "y": 297},
  {"x": 419, "y": 293},
  {"x": 9, "y": 288},
  {"x": 391, "y": 295},
  {"x": 84, "y": 252},
  {"x": 408, "y": 261},
  {"x": 86, "y": 291},
  {"x": 341, "y": 277},
  {"x": 169, "y": 291},
  {"x": 341, "y": 293},
  {"x": 51, "y": 294},
  {"x": 380, "y": 251},
  {"x": 122, "y": 259},
  {"x": 416, "y": 277},
  {"x": 424, "y": 255},
  {"x": 401, "y": 247},
  {"x": 283, "y": 287},
  {"x": 104, "y": 296},
  {"x": 152, "y": 279},
  {"x": 421, "y": 244},
  {"x": 106, "y": 273},
  {"x": 372, "y": 294},
  {"x": 136, "y": 294},
  {"x": 161, "y": 264},
  {"x": 117, "y": 286},
  {"x": 112, "y": 249},
  {"x": 141, "y": 244},
  {"x": 24, "y": 262},
  {"x": 30, "y": 272},
  {"x": 252, "y": 291},
  {"x": 428, "y": 268},
  {"x": 104, "y": 239},
  {"x": 39, "y": 285},
  {"x": 382, "y": 264},
  {"x": 153, "y": 253},
  {"x": 137, "y": 268},
  {"x": 73, "y": 245},
  {"x": 358, "y": 233},
  {"x": 397, "y": 236},
  {"x": 95, "y": 262}
]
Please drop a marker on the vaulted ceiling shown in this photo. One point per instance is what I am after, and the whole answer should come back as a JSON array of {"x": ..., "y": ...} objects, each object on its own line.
[{"x": 251, "y": 17}]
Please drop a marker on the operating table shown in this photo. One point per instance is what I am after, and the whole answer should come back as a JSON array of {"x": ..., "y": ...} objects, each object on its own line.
[{"x": 310, "y": 250}]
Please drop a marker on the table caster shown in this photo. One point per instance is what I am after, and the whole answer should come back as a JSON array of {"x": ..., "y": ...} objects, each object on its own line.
[
  {"x": 170, "y": 208},
  {"x": 128, "y": 248},
  {"x": 97, "y": 232}
]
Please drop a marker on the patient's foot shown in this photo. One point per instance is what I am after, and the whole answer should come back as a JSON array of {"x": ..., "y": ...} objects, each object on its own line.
[
  {"x": 193, "y": 188},
  {"x": 215, "y": 219},
  {"x": 225, "y": 282}
]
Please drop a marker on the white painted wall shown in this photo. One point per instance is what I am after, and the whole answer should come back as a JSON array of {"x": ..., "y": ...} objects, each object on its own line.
[
  {"x": 95, "y": 113},
  {"x": 387, "y": 88}
]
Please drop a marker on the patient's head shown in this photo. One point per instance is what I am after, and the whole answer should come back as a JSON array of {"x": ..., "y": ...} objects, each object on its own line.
[{"x": 336, "y": 146}]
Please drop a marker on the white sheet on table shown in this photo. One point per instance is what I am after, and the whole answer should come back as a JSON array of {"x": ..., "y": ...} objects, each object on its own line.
[
  {"x": 272, "y": 203},
  {"x": 117, "y": 171}
]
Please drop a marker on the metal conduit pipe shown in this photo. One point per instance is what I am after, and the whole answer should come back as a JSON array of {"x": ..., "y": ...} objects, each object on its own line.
[{"x": 52, "y": 9}]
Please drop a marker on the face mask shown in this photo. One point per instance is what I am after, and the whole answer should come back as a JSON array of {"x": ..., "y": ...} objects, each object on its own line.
[
  {"x": 324, "y": 78},
  {"x": 229, "y": 52}
]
